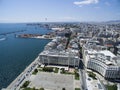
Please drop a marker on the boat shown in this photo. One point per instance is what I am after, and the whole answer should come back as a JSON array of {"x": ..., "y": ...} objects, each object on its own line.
[{"x": 2, "y": 39}]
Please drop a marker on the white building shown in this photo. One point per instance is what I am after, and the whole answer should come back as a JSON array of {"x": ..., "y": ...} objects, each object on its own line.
[
  {"x": 118, "y": 52},
  {"x": 103, "y": 62},
  {"x": 59, "y": 58}
]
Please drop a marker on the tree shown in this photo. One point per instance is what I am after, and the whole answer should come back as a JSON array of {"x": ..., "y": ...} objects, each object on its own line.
[
  {"x": 33, "y": 88},
  {"x": 63, "y": 88},
  {"x": 36, "y": 70},
  {"x": 26, "y": 84},
  {"x": 41, "y": 88}
]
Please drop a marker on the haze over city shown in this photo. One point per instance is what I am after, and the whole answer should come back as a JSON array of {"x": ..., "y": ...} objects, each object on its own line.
[{"x": 58, "y": 10}]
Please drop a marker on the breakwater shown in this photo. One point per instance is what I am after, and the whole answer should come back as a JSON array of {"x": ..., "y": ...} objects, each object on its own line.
[
  {"x": 36, "y": 36},
  {"x": 12, "y": 32}
]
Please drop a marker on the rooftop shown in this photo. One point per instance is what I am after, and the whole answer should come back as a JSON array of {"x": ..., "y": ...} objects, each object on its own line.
[
  {"x": 107, "y": 53},
  {"x": 59, "y": 53}
]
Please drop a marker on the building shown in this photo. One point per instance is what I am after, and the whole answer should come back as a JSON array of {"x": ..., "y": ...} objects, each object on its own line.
[
  {"x": 59, "y": 58},
  {"x": 118, "y": 51},
  {"x": 103, "y": 62}
]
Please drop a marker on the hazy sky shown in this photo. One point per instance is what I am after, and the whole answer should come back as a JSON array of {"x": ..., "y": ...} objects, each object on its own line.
[{"x": 59, "y": 10}]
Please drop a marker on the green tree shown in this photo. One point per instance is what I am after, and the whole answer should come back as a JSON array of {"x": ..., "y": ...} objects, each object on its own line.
[
  {"x": 26, "y": 84},
  {"x": 41, "y": 88},
  {"x": 36, "y": 70},
  {"x": 33, "y": 88},
  {"x": 63, "y": 88}
]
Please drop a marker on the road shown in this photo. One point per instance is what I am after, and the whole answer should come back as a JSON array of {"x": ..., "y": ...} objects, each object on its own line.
[
  {"x": 26, "y": 73},
  {"x": 82, "y": 76},
  {"x": 82, "y": 69}
]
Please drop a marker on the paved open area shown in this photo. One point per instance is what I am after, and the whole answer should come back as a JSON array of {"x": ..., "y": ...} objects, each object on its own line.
[{"x": 52, "y": 81}]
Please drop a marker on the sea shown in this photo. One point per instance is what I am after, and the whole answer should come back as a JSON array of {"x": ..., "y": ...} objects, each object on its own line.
[{"x": 17, "y": 53}]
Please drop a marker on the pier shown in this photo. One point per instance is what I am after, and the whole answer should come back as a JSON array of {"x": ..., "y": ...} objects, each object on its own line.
[
  {"x": 35, "y": 36},
  {"x": 12, "y": 32}
]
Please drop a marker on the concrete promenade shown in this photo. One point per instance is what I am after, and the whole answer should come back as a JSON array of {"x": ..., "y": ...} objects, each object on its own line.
[
  {"x": 52, "y": 81},
  {"x": 15, "y": 85}
]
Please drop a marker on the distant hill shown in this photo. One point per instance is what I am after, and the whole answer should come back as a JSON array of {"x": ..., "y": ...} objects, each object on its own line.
[
  {"x": 113, "y": 21},
  {"x": 103, "y": 22}
]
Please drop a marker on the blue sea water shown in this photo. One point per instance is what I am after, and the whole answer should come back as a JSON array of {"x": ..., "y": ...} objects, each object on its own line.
[{"x": 17, "y": 53}]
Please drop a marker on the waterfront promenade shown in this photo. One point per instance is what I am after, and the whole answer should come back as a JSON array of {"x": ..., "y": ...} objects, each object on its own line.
[{"x": 15, "y": 85}]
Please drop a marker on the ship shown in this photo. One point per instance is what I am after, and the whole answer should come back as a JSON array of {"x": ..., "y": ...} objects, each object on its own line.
[{"x": 2, "y": 39}]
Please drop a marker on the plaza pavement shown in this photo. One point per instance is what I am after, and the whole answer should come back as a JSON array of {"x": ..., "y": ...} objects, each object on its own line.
[{"x": 52, "y": 81}]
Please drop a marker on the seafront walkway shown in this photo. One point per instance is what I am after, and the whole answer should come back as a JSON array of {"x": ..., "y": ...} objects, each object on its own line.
[{"x": 15, "y": 85}]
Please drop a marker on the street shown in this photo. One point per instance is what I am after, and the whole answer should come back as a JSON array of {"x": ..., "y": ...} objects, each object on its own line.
[{"x": 82, "y": 76}]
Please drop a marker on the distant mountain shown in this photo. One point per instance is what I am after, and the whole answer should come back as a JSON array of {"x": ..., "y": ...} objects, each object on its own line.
[
  {"x": 103, "y": 22},
  {"x": 113, "y": 21}
]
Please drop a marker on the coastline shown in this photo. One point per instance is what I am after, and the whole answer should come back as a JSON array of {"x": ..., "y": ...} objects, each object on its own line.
[
  {"x": 17, "y": 62},
  {"x": 15, "y": 84}
]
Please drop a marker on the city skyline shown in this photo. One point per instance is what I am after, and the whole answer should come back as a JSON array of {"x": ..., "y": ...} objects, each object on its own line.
[{"x": 59, "y": 11}]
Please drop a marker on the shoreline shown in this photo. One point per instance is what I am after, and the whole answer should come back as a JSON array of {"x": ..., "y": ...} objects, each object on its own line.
[
  {"x": 19, "y": 80},
  {"x": 27, "y": 72}
]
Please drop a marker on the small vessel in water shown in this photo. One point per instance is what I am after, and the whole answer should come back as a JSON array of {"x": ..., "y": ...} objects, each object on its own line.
[{"x": 2, "y": 39}]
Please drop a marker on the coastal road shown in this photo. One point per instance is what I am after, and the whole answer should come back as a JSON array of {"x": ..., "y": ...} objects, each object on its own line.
[{"x": 26, "y": 73}]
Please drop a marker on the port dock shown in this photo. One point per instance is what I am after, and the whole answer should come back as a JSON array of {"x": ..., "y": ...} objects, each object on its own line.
[
  {"x": 12, "y": 32},
  {"x": 35, "y": 36}
]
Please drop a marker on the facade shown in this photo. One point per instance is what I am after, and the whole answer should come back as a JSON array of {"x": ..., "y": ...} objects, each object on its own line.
[
  {"x": 103, "y": 62},
  {"x": 108, "y": 71},
  {"x": 118, "y": 52},
  {"x": 56, "y": 54},
  {"x": 59, "y": 58}
]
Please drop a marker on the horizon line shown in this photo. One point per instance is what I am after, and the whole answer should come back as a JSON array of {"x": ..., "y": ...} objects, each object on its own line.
[{"x": 63, "y": 21}]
